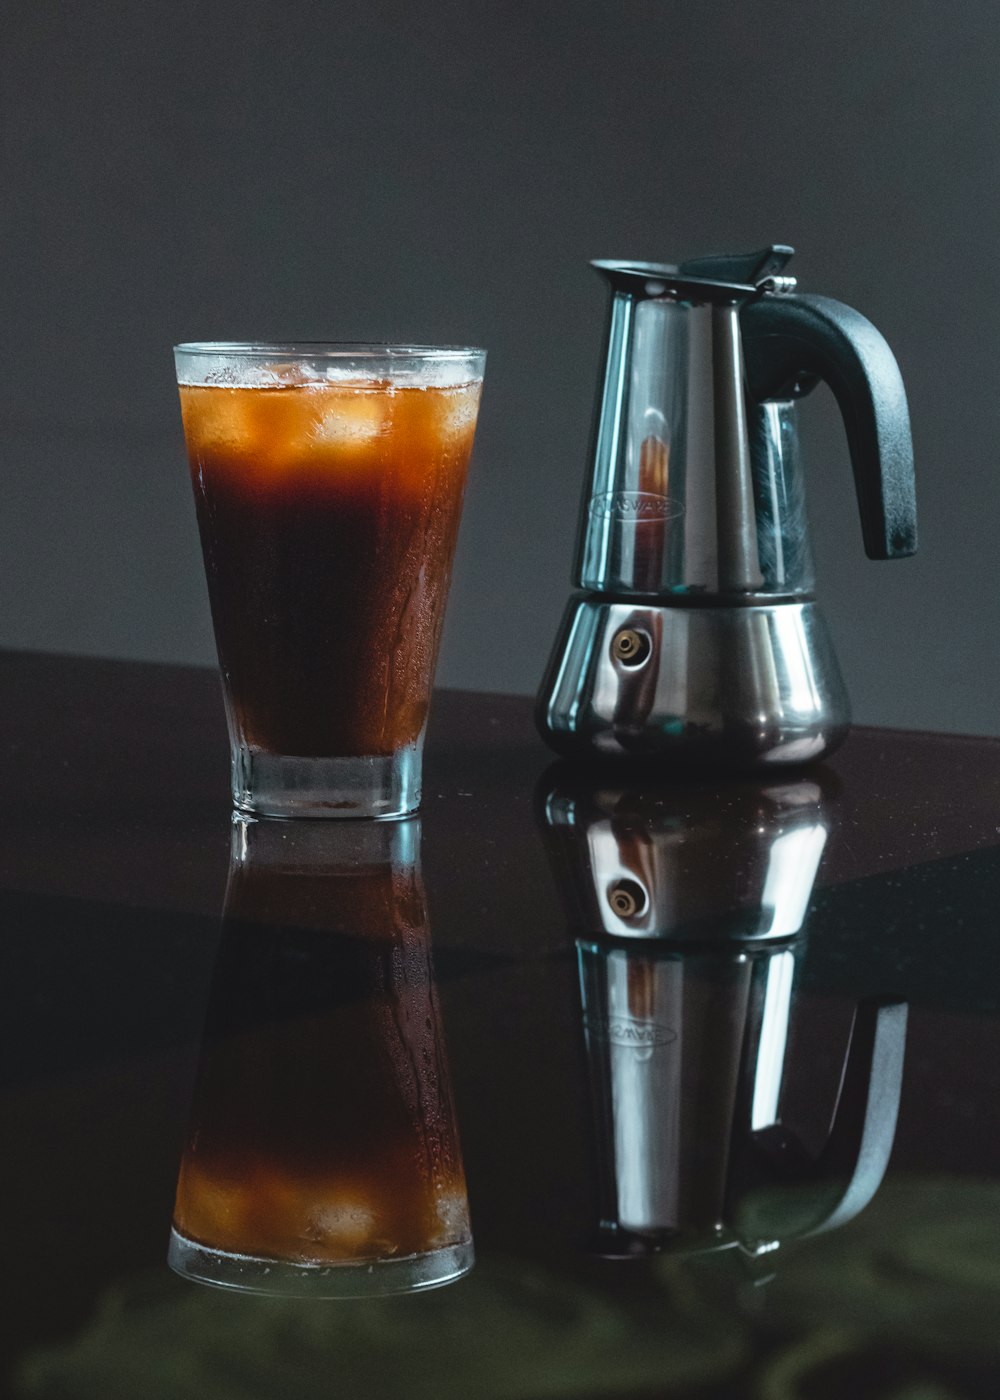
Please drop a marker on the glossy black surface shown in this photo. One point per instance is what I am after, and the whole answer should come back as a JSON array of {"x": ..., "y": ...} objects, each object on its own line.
[{"x": 114, "y": 854}]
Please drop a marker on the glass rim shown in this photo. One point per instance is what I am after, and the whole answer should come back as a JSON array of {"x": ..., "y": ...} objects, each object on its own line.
[
  {"x": 327, "y": 350},
  {"x": 267, "y": 1276}
]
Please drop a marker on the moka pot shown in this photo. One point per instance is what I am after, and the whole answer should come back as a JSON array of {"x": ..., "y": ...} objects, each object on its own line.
[
  {"x": 695, "y": 636},
  {"x": 689, "y": 906}
]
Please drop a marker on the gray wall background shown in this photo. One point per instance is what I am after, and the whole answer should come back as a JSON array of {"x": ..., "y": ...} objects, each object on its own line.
[{"x": 210, "y": 169}]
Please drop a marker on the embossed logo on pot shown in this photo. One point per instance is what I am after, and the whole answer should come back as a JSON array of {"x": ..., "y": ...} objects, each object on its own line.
[
  {"x": 626, "y": 1030},
  {"x": 634, "y": 506}
]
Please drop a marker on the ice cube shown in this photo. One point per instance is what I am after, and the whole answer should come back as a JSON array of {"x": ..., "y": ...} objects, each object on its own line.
[
  {"x": 209, "y": 1208},
  {"x": 457, "y": 409},
  {"x": 218, "y": 419},
  {"x": 347, "y": 416},
  {"x": 283, "y": 374},
  {"x": 345, "y": 1223},
  {"x": 452, "y": 1210}
]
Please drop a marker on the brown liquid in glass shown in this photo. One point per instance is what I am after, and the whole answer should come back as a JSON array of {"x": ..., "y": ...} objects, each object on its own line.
[
  {"x": 323, "y": 1128},
  {"x": 328, "y": 516}
]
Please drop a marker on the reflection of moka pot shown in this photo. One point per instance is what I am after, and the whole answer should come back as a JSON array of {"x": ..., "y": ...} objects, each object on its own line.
[
  {"x": 688, "y": 861},
  {"x": 696, "y": 636},
  {"x": 687, "y": 907}
]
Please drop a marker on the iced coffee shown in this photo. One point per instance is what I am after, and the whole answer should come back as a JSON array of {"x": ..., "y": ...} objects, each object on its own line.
[
  {"x": 328, "y": 483},
  {"x": 323, "y": 1155}
]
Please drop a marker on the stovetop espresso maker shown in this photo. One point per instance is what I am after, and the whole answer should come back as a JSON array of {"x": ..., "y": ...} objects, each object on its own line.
[
  {"x": 695, "y": 635},
  {"x": 689, "y": 906}
]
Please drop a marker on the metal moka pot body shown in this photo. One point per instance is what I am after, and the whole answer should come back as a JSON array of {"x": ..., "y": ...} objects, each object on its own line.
[
  {"x": 695, "y": 634},
  {"x": 688, "y": 1053},
  {"x": 688, "y": 906}
]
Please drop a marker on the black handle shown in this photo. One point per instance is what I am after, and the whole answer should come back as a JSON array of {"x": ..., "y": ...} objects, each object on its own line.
[
  {"x": 864, "y": 1122},
  {"x": 789, "y": 343},
  {"x": 776, "y": 1189}
]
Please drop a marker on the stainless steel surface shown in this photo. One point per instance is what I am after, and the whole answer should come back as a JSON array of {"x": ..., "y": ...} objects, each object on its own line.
[
  {"x": 738, "y": 687},
  {"x": 688, "y": 1003},
  {"x": 700, "y": 639},
  {"x": 644, "y": 1063},
  {"x": 688, "y": 1055},
  {"x": 664, "y": 1054},
  {"x": 682, "y": 863},
  {"x": 693, "y": 490}
]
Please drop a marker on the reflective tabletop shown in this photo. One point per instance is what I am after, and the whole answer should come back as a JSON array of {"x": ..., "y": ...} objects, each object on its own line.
[{"x": 583, "y": 1083}]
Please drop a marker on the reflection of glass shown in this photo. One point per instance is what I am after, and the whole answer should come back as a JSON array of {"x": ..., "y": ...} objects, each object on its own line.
[
  {"x": 688, "y": 905},
  {"x": 323, "y": 1154}
]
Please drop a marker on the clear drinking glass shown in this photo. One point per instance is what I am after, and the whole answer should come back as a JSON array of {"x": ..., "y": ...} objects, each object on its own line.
[
  {"x": 323, "y": 1155},
  {"x": 328, "y": 481}
]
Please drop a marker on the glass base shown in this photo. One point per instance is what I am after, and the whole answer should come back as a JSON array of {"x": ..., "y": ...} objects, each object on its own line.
[
  {"x": 360, "y": 1278},
  {"x": 276, "y": 785}
]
